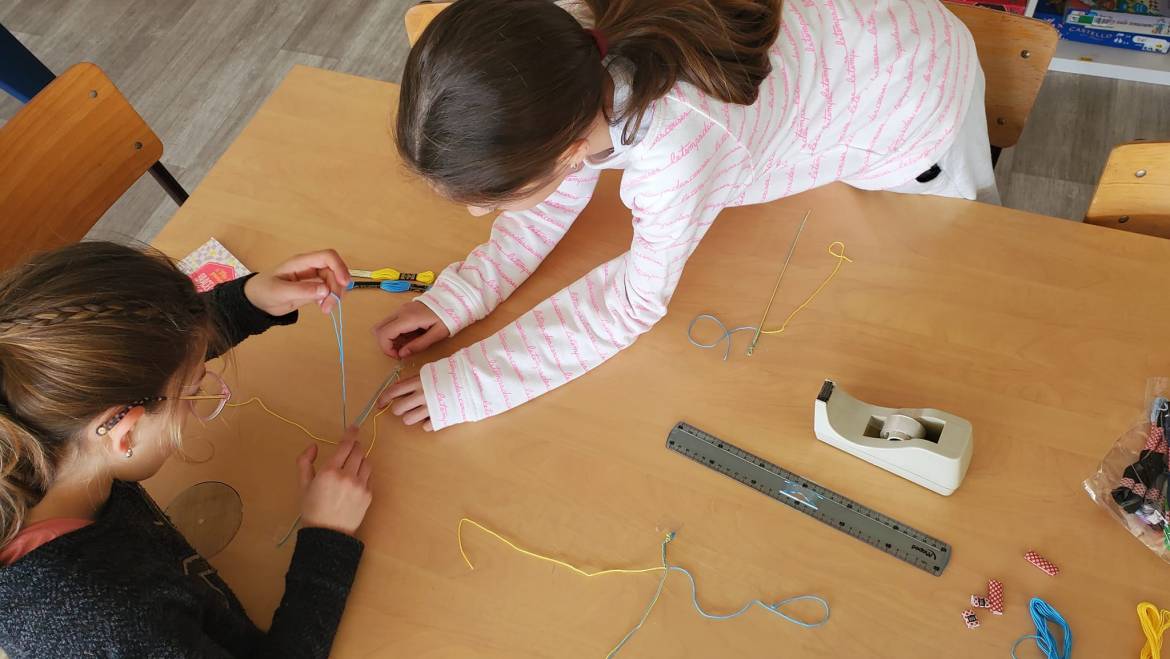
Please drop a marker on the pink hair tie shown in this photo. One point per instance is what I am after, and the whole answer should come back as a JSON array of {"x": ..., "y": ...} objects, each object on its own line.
[{"x": 598, "y": 40}]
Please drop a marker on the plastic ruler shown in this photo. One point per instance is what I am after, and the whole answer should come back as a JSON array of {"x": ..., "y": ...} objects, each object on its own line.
[{"x": 801, "y": 494}]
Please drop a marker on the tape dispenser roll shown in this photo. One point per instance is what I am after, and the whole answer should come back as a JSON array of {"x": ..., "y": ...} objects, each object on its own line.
[{"x": 900, "y": 427}]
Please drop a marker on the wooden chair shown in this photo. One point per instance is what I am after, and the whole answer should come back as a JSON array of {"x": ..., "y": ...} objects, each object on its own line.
[
  {"x": 1134, "y": 191},
  {"x": 65, "y": 158},
  {"x": 420, "y": 16},
  {"x": 1015, "y": 52}
]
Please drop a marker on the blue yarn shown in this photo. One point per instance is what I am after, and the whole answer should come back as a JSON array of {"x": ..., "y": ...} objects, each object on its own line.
[
  {"x": 1043, "y": 616},
  {"x": 338, "y": 320},
  {"x": 774, "y": 609}
]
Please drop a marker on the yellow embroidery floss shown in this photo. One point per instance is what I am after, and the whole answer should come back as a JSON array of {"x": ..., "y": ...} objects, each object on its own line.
[{"x": 666, "y": 568}]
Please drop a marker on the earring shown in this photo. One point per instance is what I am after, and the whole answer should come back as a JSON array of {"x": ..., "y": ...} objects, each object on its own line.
[
  {"x": 129, "y": 452},
  {"x": 577, "y": 167}
]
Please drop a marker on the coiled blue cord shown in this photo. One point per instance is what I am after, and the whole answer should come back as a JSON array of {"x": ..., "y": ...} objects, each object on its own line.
[{"x": 1044, "y": 617}]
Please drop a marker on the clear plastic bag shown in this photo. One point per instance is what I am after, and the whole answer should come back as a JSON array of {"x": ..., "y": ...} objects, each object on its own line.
[{"x": 1132, "y": 480}]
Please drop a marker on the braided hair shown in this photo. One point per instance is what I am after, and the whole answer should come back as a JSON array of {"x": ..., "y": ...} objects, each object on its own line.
[{"x": 82, "y": 329}]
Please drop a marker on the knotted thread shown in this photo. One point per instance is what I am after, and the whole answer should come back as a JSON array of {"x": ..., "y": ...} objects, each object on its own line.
[{"x": 726, "y": 333}]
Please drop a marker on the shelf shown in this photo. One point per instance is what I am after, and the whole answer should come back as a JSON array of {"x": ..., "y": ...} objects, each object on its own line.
[{"x": 1106, "y": 62}]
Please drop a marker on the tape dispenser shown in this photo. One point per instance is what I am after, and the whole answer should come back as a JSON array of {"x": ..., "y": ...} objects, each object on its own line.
[{"x": 926, "y": 446}]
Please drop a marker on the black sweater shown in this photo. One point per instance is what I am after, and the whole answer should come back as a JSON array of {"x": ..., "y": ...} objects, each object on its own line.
[{"x": 129, "y": 585}]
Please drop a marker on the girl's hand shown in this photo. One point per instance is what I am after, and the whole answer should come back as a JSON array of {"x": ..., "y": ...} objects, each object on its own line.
[
  {"x": 412, "y": 328},
  {"x": 298, "y": 281},
  {"x": 336, "y": 497},
  {"x": 411, "y": 403}
]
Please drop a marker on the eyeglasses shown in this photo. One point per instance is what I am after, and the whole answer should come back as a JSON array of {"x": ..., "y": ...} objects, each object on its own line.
[{"x": 204, "y": 404}]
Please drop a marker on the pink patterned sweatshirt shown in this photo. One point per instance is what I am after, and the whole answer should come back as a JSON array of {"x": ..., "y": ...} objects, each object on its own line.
[{"x": 868, "y": 92}]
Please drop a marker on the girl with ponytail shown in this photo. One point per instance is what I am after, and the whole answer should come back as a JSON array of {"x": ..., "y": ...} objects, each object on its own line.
[
  {"x": 516, "y": 105},
  {"x": 101, "y": 362}
]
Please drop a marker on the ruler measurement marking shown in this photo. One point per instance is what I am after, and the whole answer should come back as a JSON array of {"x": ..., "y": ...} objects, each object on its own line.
[{"x": 826, "y": 506}]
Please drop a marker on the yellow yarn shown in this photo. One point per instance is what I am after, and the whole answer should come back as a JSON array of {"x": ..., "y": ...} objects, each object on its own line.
[
  {"x": 841, "y": 258},
  {"x": 1154, "y": 625},
  {"x": 574, "y": 568},
  {"x": 373, "y": 437},
  {"x": 542, "y": 557}
]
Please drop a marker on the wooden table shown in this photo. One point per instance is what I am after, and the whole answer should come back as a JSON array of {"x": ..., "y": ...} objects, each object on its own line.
[{"x": 1041, "y": 332}]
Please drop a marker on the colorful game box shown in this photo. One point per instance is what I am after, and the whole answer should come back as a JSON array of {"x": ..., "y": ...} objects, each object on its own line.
[
  {"x": 1150, "y": 7},
  {"x": 1130, "y": 24},
  {"x": 211, "y": 265},
  {"x": 1150, "y": 34},
  {"x": 1115, "y": 21}
]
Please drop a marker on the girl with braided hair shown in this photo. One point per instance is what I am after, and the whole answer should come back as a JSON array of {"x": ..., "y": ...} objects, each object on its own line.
[{"x": 102, "y": 351}]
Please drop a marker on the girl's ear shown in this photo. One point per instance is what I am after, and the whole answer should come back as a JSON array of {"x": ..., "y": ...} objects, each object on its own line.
[
  {"x": 119, "y": 439},
  {"x": 575, "y": 155}
]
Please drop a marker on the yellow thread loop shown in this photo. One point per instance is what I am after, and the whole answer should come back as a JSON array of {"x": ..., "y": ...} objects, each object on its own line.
[
  {"x": 839, "y": 254},
  {"x": 1154, "y": 625}
]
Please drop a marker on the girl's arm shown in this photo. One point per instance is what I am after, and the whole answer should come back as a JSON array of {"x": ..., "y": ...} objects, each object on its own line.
[
  {"x": 675, "y": 193},
  {"x": 236, "y": 317},
  {"x": 316, "y": 587},
  {"x": 326, "y": 558},
  {"x": 520, "y": 240},
  {"x": 250, "y": 305}
]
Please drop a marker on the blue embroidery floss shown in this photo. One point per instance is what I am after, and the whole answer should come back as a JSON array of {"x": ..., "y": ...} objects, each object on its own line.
[
  {"x": 337, "y": 319},
  {"x": 1044, "y": 616}
]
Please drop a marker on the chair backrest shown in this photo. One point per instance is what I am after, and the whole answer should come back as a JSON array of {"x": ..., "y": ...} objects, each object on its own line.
[
  {"x": 420, "y": 16},
  {"x": 65, "y": 158},
  {"x": 1134, "y": 191},
  {"x": 1015, "y": 52}
]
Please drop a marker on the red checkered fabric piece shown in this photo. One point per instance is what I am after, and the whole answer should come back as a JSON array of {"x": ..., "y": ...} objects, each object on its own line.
[
  {"x": 1155, "y": 440},
  {"x": 1043, "y": 563},
  {"x": 995, "y": 596}
]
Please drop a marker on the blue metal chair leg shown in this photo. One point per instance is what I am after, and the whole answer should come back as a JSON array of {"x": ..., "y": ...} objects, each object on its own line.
[{"x": 21, "y": 74}]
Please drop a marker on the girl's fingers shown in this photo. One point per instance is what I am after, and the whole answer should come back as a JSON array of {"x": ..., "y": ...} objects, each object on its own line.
[
  {"x": 327, "y": 263},
  {"x": 408, "y": 403},
  {"x": 414, "y": 416},
  {"x": 355, "y": 459},
  {"x": 299, "y": 293},
  {"x": 400, "y": 325},
  {"x": 428, "y": 426},
  {"x": 363, "y": 473},
  {"x": 377, "y": 329},
  {"x": 390, "y": 331},
  {"x": 305, "y": 465},
  {"x": 400, "y": 388},
  {"x": 344, "y": 449},
  {"x": 436, "y": 333}
]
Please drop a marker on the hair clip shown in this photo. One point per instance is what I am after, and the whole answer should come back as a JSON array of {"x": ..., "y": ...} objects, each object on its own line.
[{"x": 109, "y": 423}]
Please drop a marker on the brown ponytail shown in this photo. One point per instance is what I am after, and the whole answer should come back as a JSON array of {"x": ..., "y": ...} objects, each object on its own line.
[
  {"x": 719, "y": 46},
  {"x": 496, "y": 90},
  {"x": 82, "y": 329}
]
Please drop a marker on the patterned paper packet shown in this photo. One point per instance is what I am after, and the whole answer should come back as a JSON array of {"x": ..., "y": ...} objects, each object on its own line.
[{"x": 212, "y": 265}]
